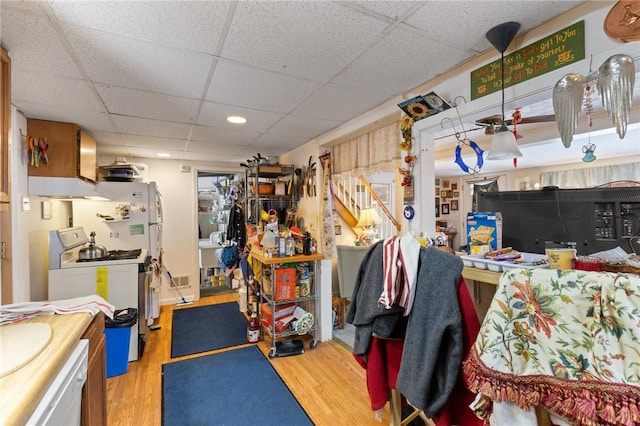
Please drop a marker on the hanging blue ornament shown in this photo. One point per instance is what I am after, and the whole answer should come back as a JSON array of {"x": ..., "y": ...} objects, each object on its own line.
[{"x": 479, "y": 160}]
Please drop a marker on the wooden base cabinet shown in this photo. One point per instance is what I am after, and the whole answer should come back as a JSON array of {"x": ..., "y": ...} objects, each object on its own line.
[{"x": 94, "y": 392}]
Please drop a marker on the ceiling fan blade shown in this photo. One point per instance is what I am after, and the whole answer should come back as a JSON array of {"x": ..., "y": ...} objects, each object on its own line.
[
  {"x": 534, "y": 119},
  {"x": 461, "y": 134}
]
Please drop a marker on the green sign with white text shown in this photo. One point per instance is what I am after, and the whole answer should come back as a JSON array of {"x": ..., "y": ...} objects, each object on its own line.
[{"x": 548, "y": 54}]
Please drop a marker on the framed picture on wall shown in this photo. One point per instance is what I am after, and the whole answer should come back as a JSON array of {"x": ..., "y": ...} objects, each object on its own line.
[
  {"x": 454, "y": 186},
  {"x": 445, "y": 183},
  {"x": 445, "y": 208},
  {"x": 437, "y": 207},
  {"x": 454, "y": 204},
  {"x": 456, "y": 194},
  {"x": 443, "y": 194},
  {"x": 382, "y": 191},
  {"x": 437, "y": 181}
]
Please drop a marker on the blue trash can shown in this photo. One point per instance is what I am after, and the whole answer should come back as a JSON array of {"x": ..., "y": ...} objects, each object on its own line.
[{"x": 118, "y": 335}]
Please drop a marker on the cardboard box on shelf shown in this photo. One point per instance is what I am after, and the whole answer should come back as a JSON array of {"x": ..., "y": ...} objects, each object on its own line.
[
  {"x": 285, "y": 287},
  {"x": 282, "y": 311},
  {"x": 484, "y": 232}
]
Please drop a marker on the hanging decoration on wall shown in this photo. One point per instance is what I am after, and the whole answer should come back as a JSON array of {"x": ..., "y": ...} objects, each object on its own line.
[
  {"x": 464, "y": 141},
  {"x": 614, "y": 81},
  {"x": 516, "y": 118},
  {"x": 589, "y": 148}
]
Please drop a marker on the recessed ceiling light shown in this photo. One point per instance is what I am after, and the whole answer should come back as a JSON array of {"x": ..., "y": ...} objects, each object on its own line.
[
  {"x": 236, "y": 119},
  {"x": 163, "y": 154}
]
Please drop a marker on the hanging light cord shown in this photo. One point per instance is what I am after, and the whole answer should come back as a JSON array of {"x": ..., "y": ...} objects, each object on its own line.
[{"x": 502, "y": 85}]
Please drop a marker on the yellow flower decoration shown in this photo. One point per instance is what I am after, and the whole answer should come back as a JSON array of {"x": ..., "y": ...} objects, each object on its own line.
[
  {"x": 418, "y": 110},
  {"x": 406, "y": 122}
]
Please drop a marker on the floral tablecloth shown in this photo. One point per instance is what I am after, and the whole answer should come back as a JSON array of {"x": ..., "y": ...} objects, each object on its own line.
[{"x": 567, "y": 341}]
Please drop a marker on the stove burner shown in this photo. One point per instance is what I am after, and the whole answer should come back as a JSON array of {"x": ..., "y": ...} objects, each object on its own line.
[{"x": 116, "y": 255}]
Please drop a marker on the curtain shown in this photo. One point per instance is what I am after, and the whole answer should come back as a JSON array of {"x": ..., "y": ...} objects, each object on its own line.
[
  {"x": 372, "y": 152},
  {"x": 591, "y": 177}
]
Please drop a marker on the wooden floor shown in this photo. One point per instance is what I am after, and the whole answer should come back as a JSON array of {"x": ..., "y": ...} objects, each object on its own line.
[{"x": 327, "y": 381}]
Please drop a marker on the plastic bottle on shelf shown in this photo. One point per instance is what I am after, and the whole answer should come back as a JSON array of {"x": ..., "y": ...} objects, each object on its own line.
[
  {"x": 291, "y": 248},
  {"x": 253, "y": 328}
]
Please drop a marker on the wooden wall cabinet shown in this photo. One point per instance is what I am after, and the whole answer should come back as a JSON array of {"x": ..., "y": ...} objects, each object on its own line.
[
  {"x": 72, "y": 152},
  {"x": 94, "y": 392}
]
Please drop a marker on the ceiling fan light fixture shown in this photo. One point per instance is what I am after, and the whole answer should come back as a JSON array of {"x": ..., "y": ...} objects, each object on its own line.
[{"x": 503, "y": 145}]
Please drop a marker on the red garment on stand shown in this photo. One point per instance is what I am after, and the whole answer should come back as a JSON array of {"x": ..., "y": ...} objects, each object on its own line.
[{"x": 383, "y": 363}]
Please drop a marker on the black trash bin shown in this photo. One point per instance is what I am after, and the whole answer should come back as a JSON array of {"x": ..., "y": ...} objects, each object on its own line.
[{"x": 118, "y": 335}]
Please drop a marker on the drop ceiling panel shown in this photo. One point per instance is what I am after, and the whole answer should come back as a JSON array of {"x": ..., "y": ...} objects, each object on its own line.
[
  {"x": 127, "y": 62},
  {"x": 220, "y": 148},
  {"x": 146, "y": 127},
  {"x": 55, "y": 91},
  {"x": 214, "y": 114},
  {"x": 303, "y": 126},
  {"x": 395, "y": 68},
  {"x": 222, "y": 135},
  {"x": 194, "y": 25},
  {"x": 277, "y": 143},
  {"x": 153, "y": 143},
  {"x": 236, "y": 84},
  {"x": 311, "y": 40},
  {"x": 88, "y": 120},
  {"x": 34, "y": 46},
  {"x": 346, "y": 103},
  {"x": 142, "y": 104},
  {"x": 389, "y": 9},
  {"x": 464, "y": 25}
]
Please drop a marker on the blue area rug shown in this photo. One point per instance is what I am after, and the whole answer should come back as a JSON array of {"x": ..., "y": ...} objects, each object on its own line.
[
  {"x": 236, "y": 387},
  {"x": 205, "y": 328}
]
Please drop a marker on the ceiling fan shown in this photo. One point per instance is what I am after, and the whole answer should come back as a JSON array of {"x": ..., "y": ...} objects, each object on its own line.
[{"x": 490, "y": 123}]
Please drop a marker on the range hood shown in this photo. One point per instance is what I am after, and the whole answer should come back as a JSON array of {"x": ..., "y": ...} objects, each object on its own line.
[{"x": 64, "y": 188}]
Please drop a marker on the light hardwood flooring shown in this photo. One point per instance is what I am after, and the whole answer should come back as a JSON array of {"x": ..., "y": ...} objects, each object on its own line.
[{"x": 327, "y": 381}]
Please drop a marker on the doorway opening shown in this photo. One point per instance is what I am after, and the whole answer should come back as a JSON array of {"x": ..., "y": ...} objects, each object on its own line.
[{"x": 217, "y": 193}]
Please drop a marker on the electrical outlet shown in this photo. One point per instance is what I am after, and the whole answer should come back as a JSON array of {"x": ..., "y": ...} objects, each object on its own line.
[{"x": 26, "y": 204}]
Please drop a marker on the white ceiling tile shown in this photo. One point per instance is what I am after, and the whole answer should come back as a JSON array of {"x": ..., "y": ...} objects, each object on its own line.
[
  {"x": 236, "y": 84},
  {"x": 55, "y": 91},
  {"x": 212, "y": 157},
  {"x": 475, "y": 18},
  {"x": 126, "y": 62},
  {"x": 346, "y": 103},
  {"x": 214, "y": 114},
  {"x": 303, "y": 126},
  {"x": 390, "y": 9},
  {"x": 223, "y": 135},
  {"x": 221, "y": 148},
  {"x": 34, "y": 46},
  {"x": 310, "y": 39},
  {"x": 146, "y": 127},
  {"x": 89, "y": 120},
  {"x": 273, "y": 144},
  {"x": 153, "y": 143},
  {"x": 148, "y": 105},
  {"x": 192, "y": 25},
  {"x": 395, "y": 71}
]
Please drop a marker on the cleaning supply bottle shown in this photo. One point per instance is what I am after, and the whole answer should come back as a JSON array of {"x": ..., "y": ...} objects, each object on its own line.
[{"x": 253, "y": 328}]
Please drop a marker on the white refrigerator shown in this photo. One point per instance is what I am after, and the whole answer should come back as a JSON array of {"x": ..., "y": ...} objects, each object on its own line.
[{"x": 131, "y": 219}]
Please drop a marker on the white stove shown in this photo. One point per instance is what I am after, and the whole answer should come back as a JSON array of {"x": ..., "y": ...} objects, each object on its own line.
[
  {"x": 121, "y": 278},
  {"x": 65, "y": 244}
]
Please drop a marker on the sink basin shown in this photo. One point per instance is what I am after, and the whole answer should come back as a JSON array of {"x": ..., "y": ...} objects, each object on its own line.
[{"x": 21, "y": 343}]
